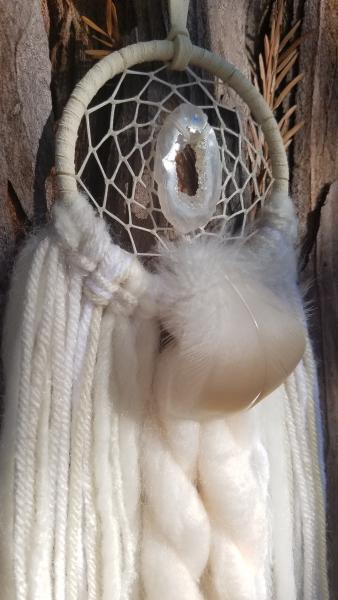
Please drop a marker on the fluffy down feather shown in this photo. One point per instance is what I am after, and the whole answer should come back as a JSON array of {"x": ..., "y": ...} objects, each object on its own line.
[{"x": 229, "y": 308}]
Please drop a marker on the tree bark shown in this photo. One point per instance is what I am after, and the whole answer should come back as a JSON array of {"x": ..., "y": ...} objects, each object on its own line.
[
  {"x": 43, "y": 56},
  {"x": 26, "y": 150},
  {"x": 315, "y": 189}
]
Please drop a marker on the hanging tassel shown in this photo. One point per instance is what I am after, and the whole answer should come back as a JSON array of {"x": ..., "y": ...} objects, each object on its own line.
[
  {"x": 121, "y": 475},
  {"x": 63, "y": 413},
  {"x": 28, "y": 273}
]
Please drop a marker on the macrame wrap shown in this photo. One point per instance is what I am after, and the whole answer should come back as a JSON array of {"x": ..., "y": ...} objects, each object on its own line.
[{"x": 103, "y": 494}]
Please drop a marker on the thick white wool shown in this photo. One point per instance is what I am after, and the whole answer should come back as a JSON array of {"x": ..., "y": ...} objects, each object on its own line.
[
  {"x": 234, "y": 476},
  {"x": 103, "y": 493}
]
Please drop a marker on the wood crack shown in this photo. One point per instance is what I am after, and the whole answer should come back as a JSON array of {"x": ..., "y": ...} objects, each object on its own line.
[
  {"x": 17, "y": 208},
  {"x": 312, "y": 227}
]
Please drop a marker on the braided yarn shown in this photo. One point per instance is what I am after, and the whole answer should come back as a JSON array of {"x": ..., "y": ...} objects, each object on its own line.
[
  {"x": 234, "y": 475},
  {"x": 176, "y": 530}
]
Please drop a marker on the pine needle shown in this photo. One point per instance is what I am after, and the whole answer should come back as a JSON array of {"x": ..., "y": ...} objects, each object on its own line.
[
  {"x": 93, "y": 25},
  {"x": 286, "y": 70},
  {"x": 282, "y": 64},
  {"x": 284, "y": 121},
  {"x": 287, "y": 90},
  {"x": 271, "y": 76},
  {"x": 109, "y": 20},
  {"x": 292, "y": 132},
  {"x": 103, "y": 42},
  {"x": 112, "y": 34},
  {"x": 289, "y": 35},
  {"x": 97, "y": 53}
]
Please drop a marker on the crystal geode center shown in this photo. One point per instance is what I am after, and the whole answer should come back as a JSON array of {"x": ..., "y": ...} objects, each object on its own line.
[{"x": 186, "y": 132}]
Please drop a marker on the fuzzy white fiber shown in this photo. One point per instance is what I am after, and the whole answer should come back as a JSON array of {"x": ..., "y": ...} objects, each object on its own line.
[{"x": 112, "y": 485}]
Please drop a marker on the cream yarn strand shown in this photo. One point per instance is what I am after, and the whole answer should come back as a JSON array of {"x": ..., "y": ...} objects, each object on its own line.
[
  {"x": 109, "y": 558},
  {"x": 35, "y": 356},
  {"x": 316, "y": 461},
  {"x": 126, "y": 445},
  {"x": 56, "y": 409},
  {"x": 90, "y": 526},
  {"x": 81, "y": 430},
  {"x": 301, "y": 426},
  {"x": 63, "y": 430},
  {"x": 298, "y": 446},
  {"x": 17, "y": 350},
  {"x": 275, "y": 439}
]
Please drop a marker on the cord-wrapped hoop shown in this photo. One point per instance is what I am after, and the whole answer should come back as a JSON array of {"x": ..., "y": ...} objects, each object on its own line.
[
  {"x": 183, "y": 48},
  {"x": 165, "y": 51}
]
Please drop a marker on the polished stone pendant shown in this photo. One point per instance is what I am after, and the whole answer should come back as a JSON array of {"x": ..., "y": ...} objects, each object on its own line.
[{"x": 187, "y": 169}]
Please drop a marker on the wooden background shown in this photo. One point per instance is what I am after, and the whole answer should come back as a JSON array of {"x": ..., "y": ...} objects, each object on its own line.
[{"x": 42, "y": 56}]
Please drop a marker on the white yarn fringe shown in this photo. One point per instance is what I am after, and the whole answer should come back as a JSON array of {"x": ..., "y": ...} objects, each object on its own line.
[{"x": 102, "y": 494}]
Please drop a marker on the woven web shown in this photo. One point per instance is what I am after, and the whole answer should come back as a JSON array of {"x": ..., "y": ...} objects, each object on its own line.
[{"x": 117, "y": 142}]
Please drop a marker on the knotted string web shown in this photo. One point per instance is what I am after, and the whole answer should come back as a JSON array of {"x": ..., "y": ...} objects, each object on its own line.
[{"x": 117, "y": 144}]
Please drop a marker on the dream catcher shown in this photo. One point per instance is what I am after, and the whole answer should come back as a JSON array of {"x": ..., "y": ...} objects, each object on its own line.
[{"x": 159, "y": 309}]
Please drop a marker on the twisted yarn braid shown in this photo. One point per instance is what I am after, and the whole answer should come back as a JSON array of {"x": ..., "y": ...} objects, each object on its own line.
[
  {"x": 175, "y": 542},
  {"x": 234, "y": 476}
]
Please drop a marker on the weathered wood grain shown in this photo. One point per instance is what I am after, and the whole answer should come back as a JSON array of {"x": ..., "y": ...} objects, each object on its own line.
[
  {"x": 41, "y": 58},
  {"x": 26, "y": 149},
  {"x": 314, "y": 187},
  {"x": 326, "y": 256}
]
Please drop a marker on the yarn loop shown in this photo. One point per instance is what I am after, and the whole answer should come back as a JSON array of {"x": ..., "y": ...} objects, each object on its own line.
[{"x": 111, "y": 276}]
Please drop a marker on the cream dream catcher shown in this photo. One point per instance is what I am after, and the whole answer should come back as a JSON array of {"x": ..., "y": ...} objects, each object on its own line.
[{"x": 160, "y": 435}]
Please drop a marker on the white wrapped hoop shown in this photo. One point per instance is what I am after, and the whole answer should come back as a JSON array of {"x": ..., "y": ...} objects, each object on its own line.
[{"x": 161, "y": 50}]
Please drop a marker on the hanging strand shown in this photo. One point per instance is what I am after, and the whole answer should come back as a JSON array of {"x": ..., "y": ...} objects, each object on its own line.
[
  {"x": 24, "y": 507},
  {"x": 109, "y": 557},
  {"x": 317, "y": 461},
  {"x": 17, "y": 350},
  {"x": 126, "y": 430},
  {"x": 301, "y": 425}
]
